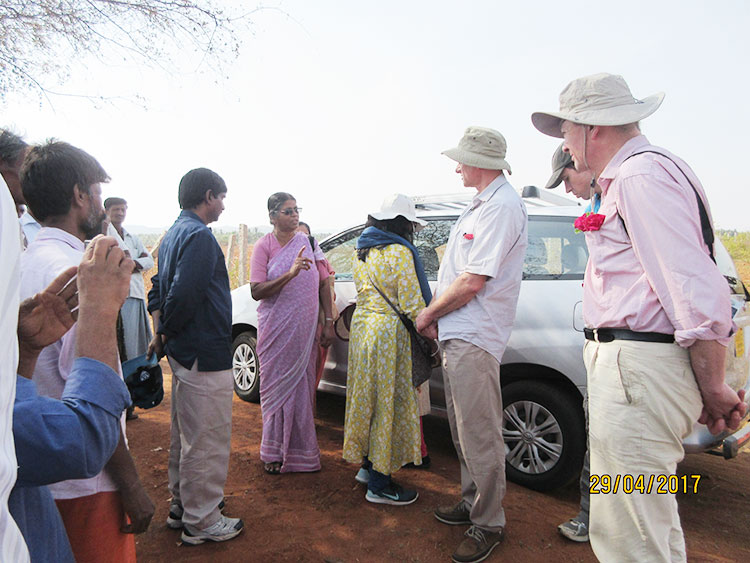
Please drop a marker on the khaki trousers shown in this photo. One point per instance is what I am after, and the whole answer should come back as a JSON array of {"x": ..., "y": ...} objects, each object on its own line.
[
  {"x": 643, "y": 400},
  {"x": 199, "y": 448},
  {"x": 475, "y": 413}
]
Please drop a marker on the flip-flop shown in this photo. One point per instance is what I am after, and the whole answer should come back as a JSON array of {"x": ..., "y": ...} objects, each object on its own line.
[{"x": 272, "y": 468}]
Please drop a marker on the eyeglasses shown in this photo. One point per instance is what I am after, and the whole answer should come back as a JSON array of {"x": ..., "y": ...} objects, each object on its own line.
[{"x": 291, "y": 210}]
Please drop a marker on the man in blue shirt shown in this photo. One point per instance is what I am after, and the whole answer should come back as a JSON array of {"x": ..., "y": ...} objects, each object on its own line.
[{"x": 192, "y": 311}]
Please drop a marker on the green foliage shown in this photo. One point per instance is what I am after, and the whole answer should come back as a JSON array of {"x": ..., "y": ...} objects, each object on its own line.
[{"x": 738, "y": 245}]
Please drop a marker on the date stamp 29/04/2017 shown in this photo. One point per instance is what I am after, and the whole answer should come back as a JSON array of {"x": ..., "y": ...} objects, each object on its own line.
[{"x": 644, "y": 484}]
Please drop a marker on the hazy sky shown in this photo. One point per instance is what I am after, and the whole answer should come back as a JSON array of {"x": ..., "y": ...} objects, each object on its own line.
[{"x": 343, "y": 102}]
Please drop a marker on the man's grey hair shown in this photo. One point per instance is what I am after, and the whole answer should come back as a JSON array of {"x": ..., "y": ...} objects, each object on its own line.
[
  {"x": 628, "y": 127},
  {"x": 12, "y": 147}
]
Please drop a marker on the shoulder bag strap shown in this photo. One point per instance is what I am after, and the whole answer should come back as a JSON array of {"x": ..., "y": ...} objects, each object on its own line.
[
  {"x": 706, "y": 229},
  {"x": 404, "y": 319}
]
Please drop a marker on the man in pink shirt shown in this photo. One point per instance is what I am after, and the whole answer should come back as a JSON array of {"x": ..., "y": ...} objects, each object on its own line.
[{"x": 657, "y": 312}]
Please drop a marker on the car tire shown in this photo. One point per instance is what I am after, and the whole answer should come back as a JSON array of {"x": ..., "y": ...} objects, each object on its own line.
[
  {"x": 246, "y": 368},
  {"x": 544, "y": 433}
]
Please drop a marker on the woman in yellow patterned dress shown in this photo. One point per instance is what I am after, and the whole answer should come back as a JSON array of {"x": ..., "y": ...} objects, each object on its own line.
[{"x": 381, "y": 429}]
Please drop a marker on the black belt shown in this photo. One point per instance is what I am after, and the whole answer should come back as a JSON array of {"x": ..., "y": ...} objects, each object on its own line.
[{"x": 610, "y": 334}]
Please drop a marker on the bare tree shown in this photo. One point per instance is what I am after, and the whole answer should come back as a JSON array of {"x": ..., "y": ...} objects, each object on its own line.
[{"x": 41, "y": 39}]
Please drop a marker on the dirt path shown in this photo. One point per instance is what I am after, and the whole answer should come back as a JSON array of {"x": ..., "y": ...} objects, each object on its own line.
[{"x": 324, "y": 517}]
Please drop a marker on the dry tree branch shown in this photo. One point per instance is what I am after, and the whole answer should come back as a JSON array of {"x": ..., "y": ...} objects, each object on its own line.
[{"x": 42, "y": 40}]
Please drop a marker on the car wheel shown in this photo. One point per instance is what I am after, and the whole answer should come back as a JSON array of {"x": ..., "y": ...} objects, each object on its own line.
[
  {"x": 544, "y": 434},
  {"x": 246, "y": 368}
]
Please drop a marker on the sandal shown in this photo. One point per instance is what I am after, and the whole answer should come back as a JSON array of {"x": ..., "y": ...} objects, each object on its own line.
[{"x": 272, "y": 468}]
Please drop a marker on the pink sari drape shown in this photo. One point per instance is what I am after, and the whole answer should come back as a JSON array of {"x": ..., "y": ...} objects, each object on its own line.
[{"x": 286, "y": 333}]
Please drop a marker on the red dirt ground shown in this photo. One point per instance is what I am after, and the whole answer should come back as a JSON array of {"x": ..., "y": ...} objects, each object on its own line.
[{"x": 324, "y": 517}]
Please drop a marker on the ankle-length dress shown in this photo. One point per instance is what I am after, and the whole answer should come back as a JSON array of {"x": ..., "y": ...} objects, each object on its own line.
[
  {"x": 286, "y": 332},
  {"x": 382, "y": 418}
]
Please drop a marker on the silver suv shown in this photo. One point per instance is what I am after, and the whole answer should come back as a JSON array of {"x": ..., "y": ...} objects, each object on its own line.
[{"x": 542, "y": 374}]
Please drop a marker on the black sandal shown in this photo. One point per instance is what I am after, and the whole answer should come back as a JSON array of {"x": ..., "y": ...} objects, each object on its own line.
[{"x": 272, "y": 468}]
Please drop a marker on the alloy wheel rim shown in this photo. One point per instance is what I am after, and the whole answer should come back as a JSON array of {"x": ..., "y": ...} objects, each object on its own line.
[
  {"x": 533, "y": 437},
  {"x": 244, "y": 367}
]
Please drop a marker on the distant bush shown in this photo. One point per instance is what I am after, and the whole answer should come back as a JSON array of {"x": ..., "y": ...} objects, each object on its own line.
[{"x": 738, "y": 245}]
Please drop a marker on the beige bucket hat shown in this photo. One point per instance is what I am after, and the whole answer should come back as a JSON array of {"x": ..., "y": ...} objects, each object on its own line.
[
  {"x": 395, "y": 205},
  {"x": 599, "y": 99},
  {"x": 482, "y": 148},
  {"x": 560, "y": 161}
]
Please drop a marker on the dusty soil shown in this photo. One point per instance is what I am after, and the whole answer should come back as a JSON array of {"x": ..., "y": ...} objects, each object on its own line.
[{"x": 324, "y": 517}]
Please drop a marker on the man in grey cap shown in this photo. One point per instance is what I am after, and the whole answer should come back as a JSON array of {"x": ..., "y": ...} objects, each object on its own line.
[
  {"x": 472, "y": 312},
  {"x": 579, "y": 184},
  {"x": 657, "y": 313}
]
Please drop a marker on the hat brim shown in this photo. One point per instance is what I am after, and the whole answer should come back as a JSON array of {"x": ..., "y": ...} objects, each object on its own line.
[
  {"x": 555, "y": 179},
  {"x": 549, "y": 122},
  {"x": 477, "y": 160},
  {"x": 385, "y": 215}
]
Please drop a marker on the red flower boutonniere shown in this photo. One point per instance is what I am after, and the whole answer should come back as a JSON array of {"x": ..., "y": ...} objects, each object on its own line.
[
  {"x": 589, "y": 222},
  {"x": 468, "y": 236}
]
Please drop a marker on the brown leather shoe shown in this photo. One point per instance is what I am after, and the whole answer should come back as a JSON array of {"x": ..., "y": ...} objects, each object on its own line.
[
  {"x": 477, "y": 545},
  {"x": 457, "y": 515}
]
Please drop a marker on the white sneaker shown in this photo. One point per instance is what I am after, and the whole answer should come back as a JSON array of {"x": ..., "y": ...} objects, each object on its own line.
[
  {"x": 224, "y": 529},
  {"x": 174, "y": 520}
]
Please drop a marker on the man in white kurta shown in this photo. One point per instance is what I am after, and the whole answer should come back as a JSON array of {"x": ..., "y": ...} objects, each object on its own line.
[
  {"x": 62, "y": 186},
  {"x": 135, "y": 321}
]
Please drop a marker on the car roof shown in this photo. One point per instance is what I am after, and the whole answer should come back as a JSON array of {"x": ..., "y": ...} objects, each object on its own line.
[{"x": 538, "y": 202}]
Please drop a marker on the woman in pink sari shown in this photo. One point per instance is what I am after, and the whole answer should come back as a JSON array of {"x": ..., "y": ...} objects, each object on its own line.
[{"x": 287, "y": 275}]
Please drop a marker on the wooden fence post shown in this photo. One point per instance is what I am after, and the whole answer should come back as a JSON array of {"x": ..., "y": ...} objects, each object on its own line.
[
  {"x": 243, "y": 254},
  {"x": 230, "y": 251},
  {"x": 155, "y": 249}
]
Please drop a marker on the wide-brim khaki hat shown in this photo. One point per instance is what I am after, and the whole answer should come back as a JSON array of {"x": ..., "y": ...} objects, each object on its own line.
[
  {"x": 398, "y": 204},
  {"x": 560, "y": 161},
  {"x": 599, "y": 99},
  {"x": 482, "y": 148}
]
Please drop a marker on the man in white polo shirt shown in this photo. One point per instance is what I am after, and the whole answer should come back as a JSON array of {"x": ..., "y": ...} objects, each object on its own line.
[{"x": 472, "y": 313}]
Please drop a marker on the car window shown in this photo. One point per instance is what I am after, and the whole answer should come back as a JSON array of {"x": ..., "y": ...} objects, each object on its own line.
[
  {"x": 431, "y": 242},
  {"x": 555, "y": 250},
  {"x": 340, "y": 253}
]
